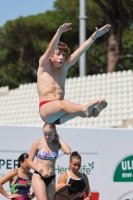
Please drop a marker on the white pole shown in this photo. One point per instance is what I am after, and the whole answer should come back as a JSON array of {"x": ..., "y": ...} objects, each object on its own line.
[{"x": 82, "y": 35}]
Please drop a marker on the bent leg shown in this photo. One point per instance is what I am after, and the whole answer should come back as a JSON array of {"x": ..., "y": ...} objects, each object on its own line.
[
  {"x": 51, "y": 190},
  {"x": 99, "y": 107},
  {"x": 67, "y": 117},
  {"x": 54, "y": 110},
  {"x": 88, "y": 114},
  {"x": 39, "y": 187}
]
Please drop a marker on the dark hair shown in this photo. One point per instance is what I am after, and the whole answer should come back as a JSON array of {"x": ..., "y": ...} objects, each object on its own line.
[
  {"x": 61, "y": 47},
  {"x": 77, "y": 186},
  {"x": 75, "y": 154},
  {"x": 22, "y": 158}
]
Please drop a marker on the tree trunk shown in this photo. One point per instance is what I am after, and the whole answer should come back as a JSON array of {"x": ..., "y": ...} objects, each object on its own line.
[
  {"x": 115, "y": 14},
  {"x": 113, "y": 53}
]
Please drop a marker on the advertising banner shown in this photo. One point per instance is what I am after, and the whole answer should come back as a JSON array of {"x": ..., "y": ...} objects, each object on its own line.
[{"x": 107, "y": 156}]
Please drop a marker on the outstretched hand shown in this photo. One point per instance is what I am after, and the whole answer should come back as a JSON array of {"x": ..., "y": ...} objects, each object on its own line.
[
  {"x": 101, "y": 31},
  {"x": 65, "y": 27}
]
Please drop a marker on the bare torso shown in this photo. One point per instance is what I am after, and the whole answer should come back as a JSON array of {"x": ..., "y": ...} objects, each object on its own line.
[
  {"x": 47, "y": 165},
  {"x": 51, "y": 82}
]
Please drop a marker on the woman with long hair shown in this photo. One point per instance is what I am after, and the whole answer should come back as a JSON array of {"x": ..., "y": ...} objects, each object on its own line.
[
  {"x": 46, "y": 152},
  {"x": 19, "y": 180}
]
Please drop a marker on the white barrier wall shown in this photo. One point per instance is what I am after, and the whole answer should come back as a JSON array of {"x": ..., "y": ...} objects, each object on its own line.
[{"x": 107, "y": 156}]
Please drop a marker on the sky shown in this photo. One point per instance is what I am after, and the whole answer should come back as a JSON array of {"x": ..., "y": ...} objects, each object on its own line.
[{"x": 12, "y": 9}]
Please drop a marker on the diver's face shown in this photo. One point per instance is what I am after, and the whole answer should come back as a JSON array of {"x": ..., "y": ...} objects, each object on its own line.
[{"x": 58, "y": 58}]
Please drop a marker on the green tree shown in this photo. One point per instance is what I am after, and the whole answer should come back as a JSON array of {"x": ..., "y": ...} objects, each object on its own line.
[
  {"x": 96, "y": 55},
  {"x": 24, "y": 40},
  {"x": 118, "y": 13}
]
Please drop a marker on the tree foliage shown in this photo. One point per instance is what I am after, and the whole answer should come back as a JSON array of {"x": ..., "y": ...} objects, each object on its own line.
[
  {"x": 118, "y": 14},
  {"x": 24, "y": 40}
]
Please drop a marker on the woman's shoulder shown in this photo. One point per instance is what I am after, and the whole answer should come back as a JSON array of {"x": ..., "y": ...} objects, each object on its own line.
[
  {"x": 10, "y": 176},
  {"x": 65, "y": 174},
  {"x": 13, "y": 173},
  {"x": 37, "y": 142},
  {"x": 63, "y": 178},
  {"x": 36, "y": 145}
]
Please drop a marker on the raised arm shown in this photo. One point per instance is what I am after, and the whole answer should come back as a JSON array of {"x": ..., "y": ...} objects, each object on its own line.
[
  {"x": 62, "y": 145},
  {"x": 78, "y": 53},
  {"x": 54, "y": 43}
]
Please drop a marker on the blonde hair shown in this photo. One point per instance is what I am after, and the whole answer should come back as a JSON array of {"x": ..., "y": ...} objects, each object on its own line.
[{"x": 51, "y": 126}]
